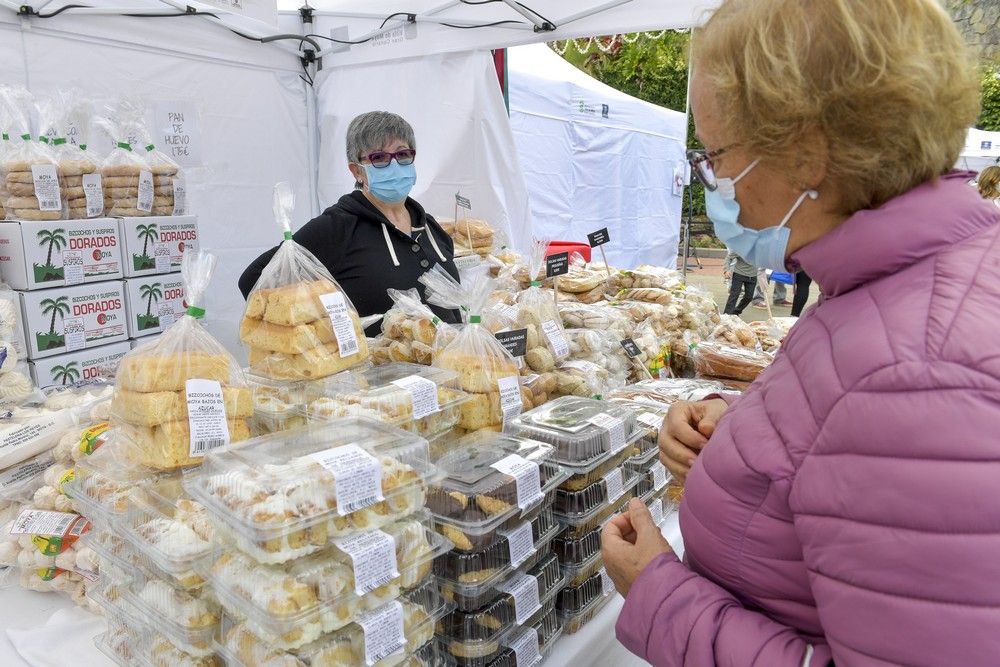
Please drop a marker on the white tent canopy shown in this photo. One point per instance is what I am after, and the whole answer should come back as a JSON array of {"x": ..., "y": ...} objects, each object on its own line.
[
  {"x": 981, "y": 149},
  {"x": 594, "y": 157}
]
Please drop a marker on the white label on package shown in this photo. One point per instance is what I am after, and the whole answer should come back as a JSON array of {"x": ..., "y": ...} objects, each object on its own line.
[
  {"x": 524, "y": 589},
  {"x": 72, "y": 261},
  {"x": 24, "y": 472},
  {"x": 656, "y": 510},
  {"x": 206, "y": 416},
  {"x": 75, "y": 334},
  {"x": 509, "y": 312},
  {"x": 383, "y": 630},
  {"x": 374, "y": 557},
  {"x": 520, "y": 543},
  {"x": 580, "y": 365},
  {"x": 468, "y": 262},
  {"x": 607, "y": 586},
  {"x": 145, "y": 199},
  {"x": 527, "y": 478},
  {"x": 659, "y": 475},
  {"x": 650, "y": 420},
  {"x": 614, "y": 482},
  {"x": 161, "y": 255},
  {"x": 340, "y": 318},
  {"x": 94, "y": 193},
  {"x": 165, "y": 314},
  {"x": 41, "y": 522},
  {"x": 510, "y": 397},
  {"x": 524, "y": 644},
  {"x": 560, "y": 348},
  {"x": 423, "y": 395},
  {"x": 357, "y": 477},
  {"x": 180, "y": 196},
  {"x": 46, "y": 180},
  {"x": 615, "y": 428}
]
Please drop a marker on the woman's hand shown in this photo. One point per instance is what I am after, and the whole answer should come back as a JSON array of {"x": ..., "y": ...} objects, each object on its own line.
[
  {"x": 686, "y": 430},
  {"x": 630, "y": 542}
]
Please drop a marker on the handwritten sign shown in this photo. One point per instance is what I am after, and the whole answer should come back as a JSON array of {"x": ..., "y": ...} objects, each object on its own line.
[{"x": 179, "y": 135}]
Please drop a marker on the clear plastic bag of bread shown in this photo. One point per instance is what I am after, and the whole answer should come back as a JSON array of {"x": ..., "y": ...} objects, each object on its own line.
[
  {"x": 63, "y": 113},
  {"x": 585, "y": 284},
  {"x": 169, "y": 193},
  {"x": 182, "y": 395},
  {"x": 299, "y": 324},
  {"x": 732, "y": 330},
  {"x": 720, "y": 361},
  {"x": 409, "y": 331},
  {"x": 126, "y": 175},
  {"x": 32, "y": 183},
  {"x": 471, "y": 236},
  {"x": 485, "y": 369},
  {"x": 537, "y": 308}
]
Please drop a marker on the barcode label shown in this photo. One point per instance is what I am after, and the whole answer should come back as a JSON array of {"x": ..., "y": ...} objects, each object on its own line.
[
  {"x": 656, "y": 510},
  {"x": 180, "y": 196},
  {"x": 343, "y": 325},
  {"x": 524, "y": 589},
  {"x": 659, "y": 475},
  {"x": 42, "y": 522},
  {"x": 357, "y": 476},
  {"x": 374, "y": 557},
  {"x": 557, "y": 341},
  {"x": 510, "y": 397},
  {"x": 607, "y": 586},
  {"x": 206, "y": 416},
  {"x": 527, "y": 479},
  {"x": 46, "y": 181},
  {"x": 145, "y": 194},
  {"x": 423, "y": 395},
  {"x": 94, "y": 194},
  {"x": 524, "y": 644},
  {"x": 614, "y": 484},
  {"x": 383, "y": 631},
  {"x": 520, "y": 543},
  {"x": 615, "y": 428}
]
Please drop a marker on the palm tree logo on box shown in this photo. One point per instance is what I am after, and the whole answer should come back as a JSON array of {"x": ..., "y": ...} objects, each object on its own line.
[
  {"x": 56, "y": 240},
  {"x": 150, "y": 293},
  {"x": 51, "y": 340},
  {"x": 148, "y": 234},
  {"x": 67, "y": 374}
]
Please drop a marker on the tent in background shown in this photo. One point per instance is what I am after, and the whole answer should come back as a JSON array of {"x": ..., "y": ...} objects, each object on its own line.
[
  {"x": 982, "y": 149},
  {"x": 595, "y": 157}
]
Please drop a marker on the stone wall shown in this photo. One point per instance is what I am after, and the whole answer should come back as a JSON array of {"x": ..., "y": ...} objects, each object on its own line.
[{"x": 979, "y": 21}]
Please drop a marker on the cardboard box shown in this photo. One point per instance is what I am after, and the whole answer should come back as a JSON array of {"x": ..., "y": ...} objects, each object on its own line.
[
  {"x": 136, "y": 342},
  {"x": 69, "y": 319},
  {"x": 149, "y": 299},
  {"x": 75, "y": 366},
  {"x": 155, "y": 244},
  {"x": 33, "y": 254}
]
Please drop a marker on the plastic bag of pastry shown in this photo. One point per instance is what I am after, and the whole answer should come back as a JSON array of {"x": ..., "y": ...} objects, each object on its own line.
[
  {"x": 410, "y": 330},
  {"x": 62, "y": 114},
  {"x": 734, "y": 331},
  {"x": 485, "y": 369},
  {"x": 471, "y": 236},
  {"x": 698, "y": 310},
  {"x": 45, "y": 539},
  {"x": 299, "y": 324},
  {"x": 585, "y": 284},
  {"x": 32, "y": 182},
  {"x": 169, "y": 187},
  {"x": 182, "y": 395},
  {"x": 537, "y": 307},
  {"x": 585, "y": 379},
  {"x": 718, "y": 360}
]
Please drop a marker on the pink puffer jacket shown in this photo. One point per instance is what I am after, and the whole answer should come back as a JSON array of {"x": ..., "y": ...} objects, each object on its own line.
[{"x": 848, "y": 505}]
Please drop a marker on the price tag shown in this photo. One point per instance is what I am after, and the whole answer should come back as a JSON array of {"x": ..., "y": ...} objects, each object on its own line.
[
  {"x": 557, "y": 265},
  {"x": 515, "y": 342},
  {"x": 463, "y": 202},
  {"x": 527, "y": 478},
  {"x": 180, "y": 196},
  {"x": 631, "y": 349},
  {"x": 374, "y": 557},
  {"x": 510, "y": 397},
  {"x": 529, "y": 380},
  {"x": 206, "y": 416},
  {"x": 659, "y": 475},
  {"x": 145, "y": 195},
  {"x": 524, "y": 589},
  {"x": 75, "y": 334},
  {"x": 651, "y": 420},
  {"x": 357, "y": 476},
  {"x": 614, "y": 483},
  {"x": 72, "y": 266},
  {"x": 423, "y": 395},
  {"x": 581, "y": 365},
  {"x": 554, "y": 334},
  {"x": 94, "y": 194},
  {"x": 615, "y": 428},
  {"x": 600, "y": 237},
  {"x": 46, "y": 181},
  {"x": 524, "y": 644},
  {"x": 383, "y": 630},
  {"x": 520, "y": 542},
  {"x": 161, "y": 255},
  {"x": 468, "y": 262},
  {"x": 54, "y": 524},
  {"x": 509, "y": 312},
  {"x": 343, "y": 326},
  {"x": 607, "y": 586},
  {"x": 656, "y": 510}
]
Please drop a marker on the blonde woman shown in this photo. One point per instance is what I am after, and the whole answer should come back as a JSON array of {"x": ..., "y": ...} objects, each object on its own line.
[
  {"x": 989, "y": 184},
  {"x": 845, "y": 508}
]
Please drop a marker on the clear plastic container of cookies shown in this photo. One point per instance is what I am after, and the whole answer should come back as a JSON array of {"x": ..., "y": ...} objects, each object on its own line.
[
  {"x": 113, "y": 551},
  {"x": 160, "y": 651},
  {"x": 278, "y": 403},
  {"x": 547, "y": 630},
  {"x": 653, "y": 479},
  {"x": 649, "y": 418},
  {"x": 573, "y": 600},
  {"x": 581, "y": 480},
  {"x": 584, "y": 431},
  {"x": 579, "y": 507},
  {"x": 573, "y": 622},
  {"x": 188, "y": 618},
  {"x": 277, "y": 497},
  {"x": 293, "y": 604},
  {"x": 102, "y": 484},
  {"x": 582, "y": 526},
  {"x": 577, "y": 551},
  {"x": 124, "y": 640}
]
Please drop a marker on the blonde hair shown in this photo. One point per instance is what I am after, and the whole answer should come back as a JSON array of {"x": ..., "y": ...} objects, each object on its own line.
[
  {"x": 889, "y": 84},
  {"x": 989, "y": 182}
]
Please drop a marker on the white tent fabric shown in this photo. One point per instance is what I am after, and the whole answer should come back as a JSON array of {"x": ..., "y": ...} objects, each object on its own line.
[
  {"x": 595, "y": 157},
  {"x": 981, "y": 149},
  {"x": 464, "y": 142}
]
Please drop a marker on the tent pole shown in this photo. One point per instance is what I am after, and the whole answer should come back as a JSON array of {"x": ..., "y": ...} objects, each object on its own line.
[
  {"x": 537, "y": 22},
  {"x": 687, "y": 127},
  {"x": 312, "y": 125}
]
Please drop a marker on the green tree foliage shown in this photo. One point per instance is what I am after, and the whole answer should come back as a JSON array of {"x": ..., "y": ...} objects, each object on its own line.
[{"x": 990, "y": 118}]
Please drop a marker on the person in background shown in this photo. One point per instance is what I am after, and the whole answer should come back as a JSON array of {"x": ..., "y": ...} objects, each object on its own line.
[
  {"x": 802, "y": 285},
  {"x": 988, "y": 184},
  {"x": 844, "y": 508},
  {"x": 779, "y": 297},
  {"x": 743, "y": 279}
]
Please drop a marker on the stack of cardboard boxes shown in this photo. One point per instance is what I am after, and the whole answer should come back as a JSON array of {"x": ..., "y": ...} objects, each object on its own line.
[{"x": 90, "y": 290}]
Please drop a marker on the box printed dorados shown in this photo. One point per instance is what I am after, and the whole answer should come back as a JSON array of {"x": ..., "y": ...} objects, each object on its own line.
[
  {"x": 34, "y": 255},
  {"x": 65, "y": 369},
  {"x": 69, "y": 319},
  {"x": 155, "y": 244},
  {"x": 153, "y": 301}
]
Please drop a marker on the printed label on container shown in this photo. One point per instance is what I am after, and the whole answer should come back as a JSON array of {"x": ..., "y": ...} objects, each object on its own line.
[
  {"x": 383, "y": 630},
  {"x": 145, "y": 198},
  {"x": 343, "y": 326},
  {"x": 51, "y": 532},
  {"x": 650, "y": 420},
  {"x": 614, "y": 482},
  {"x": 524, "y": 589},
  {"x": 509, "y": 312},
  {"x": 510, "y": 397},
  {"x": 607, "y": 586},
  {"x": 94, "y": 193},
  {"x": 656, "y": 510},
  {"x": 26, "y": 471},
  {"x": 46, "y": 180},
  {"x": 374, "y": 557},
  {"x": 357, "y": 477},
  {"x": 468, "y": 262},
  {"x": 524, "y": 644},
  {"x": 527, "y": 479},
  {"x": 165, "y": 314},
  {"x": 560, "y": 348},
  {"x": 161, "y": 255},
  {"x": 206, "y": 416},
  {"x": 423, "y": 395},
  {"x": 659, "y": 473},
  {"x": 75, "y": 334},
  {"x": 581, "y": 365},
  {"x": 615, "y": 428},
  {"x": 180, "y": 196},
  {"x": 72, "y": 261},
  {"x": 92, "y": 438},
  {"x": 520, "y": 542}
]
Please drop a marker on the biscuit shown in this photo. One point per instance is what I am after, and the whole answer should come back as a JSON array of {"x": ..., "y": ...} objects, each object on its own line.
[
  {"x": 169, "y": 372},
  {"x": 21, "y": 189},
  {"x": 289, "y": 340},
  {"x": 121, "y": 170},
  {"x": 157, "y": 407},
  {"x": 34, "y": 214}
]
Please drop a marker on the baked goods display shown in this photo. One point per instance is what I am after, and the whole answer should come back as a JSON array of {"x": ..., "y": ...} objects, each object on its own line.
[
  {"x": 277, "y": 404},
  {"x": 59, "y": 114},
  {"x": 576, "y": 605},
  {"x": 33, "y": 187},
  {"x": 411, "y": 332},
  {"x": 537, "y": 308},
  {"x": 547, "y": 629},
  {"x": 599, "y": 316},
  {"x": 189, "y": 619}
]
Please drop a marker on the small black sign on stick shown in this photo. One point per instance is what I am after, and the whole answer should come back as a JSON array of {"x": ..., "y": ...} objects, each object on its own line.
[
  {"x": 557, "y": 265},
  {"x": 515, "y": 342},
  {"x": 598, "y": 238}
]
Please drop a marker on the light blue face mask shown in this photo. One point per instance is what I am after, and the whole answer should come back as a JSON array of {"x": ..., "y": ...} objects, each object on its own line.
[
  {"x": 764, "y": 248},
  {"x": 391, "y": 184}
]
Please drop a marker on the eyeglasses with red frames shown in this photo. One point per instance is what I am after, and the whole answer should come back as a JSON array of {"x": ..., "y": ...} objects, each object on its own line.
[
  {"x": 702, "y": 167},
  {"x": 381, "y": 159}
]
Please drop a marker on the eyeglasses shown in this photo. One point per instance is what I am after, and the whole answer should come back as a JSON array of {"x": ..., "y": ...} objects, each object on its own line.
[
  {"x": 381, "y": 159},
  {"x": 701, "y": 165}
]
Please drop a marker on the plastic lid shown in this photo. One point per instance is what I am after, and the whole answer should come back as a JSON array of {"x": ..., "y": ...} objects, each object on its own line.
[
  {"x": 682, "y": 389},
  {"x": 580, "y": 506}
]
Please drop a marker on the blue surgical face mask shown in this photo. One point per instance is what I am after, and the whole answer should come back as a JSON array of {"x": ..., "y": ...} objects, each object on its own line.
[
  {"x": 764, "y": 248},
  {"x": 391, "y": 184}
]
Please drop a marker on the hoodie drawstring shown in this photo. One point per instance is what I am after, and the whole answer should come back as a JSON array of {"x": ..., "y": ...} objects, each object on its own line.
[
  {"x": 388, "y": 244},
  {"x": 430, "y": 234}
]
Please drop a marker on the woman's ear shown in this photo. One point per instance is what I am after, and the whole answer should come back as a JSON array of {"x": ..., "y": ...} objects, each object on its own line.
[
  {"x": 358, "y": 172},
  {"x": 811, "y": 163}
]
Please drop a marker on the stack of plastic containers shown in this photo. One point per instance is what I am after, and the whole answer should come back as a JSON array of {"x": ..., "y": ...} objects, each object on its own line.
[
  {"x": 277, "y": 403},
  {"x": 322, "y": 551},
  {"x": 495, "y": 505}
]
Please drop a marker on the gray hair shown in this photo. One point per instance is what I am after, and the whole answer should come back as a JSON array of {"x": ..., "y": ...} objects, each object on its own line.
[{"x": 370, "y": 131}]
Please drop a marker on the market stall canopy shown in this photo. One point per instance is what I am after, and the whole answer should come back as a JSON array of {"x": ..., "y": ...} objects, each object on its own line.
[{"x": 981, "y": 149}]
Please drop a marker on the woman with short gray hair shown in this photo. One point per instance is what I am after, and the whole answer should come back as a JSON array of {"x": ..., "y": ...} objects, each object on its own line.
[{"x": 375, "y": 238}]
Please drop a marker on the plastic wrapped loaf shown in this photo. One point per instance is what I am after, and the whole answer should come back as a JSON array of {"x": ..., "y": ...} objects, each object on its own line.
[
  {"x": 716, "y": 360},
  {"x": 537, "y": 308},
  {"x": 60, "y": 114},
  {"x": 471, "y": 236},
  {"x": 169, "y": 194},
  {"x": 410, "y": 331},
  {"x": 299, "y": 324},
  {"x": 583, "y": 284},
  {"x": 130, "y": 181},
  {"x": 32, "y": 182},
  {"x": 182, "y": 395},
  {"x": 735, "y": 332}
]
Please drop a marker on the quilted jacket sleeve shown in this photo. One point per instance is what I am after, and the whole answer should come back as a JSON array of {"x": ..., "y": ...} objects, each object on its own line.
[{"x": 674, "y": 617}]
